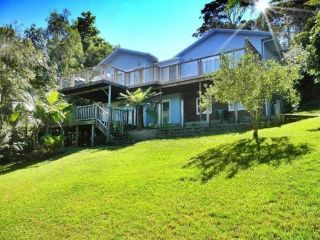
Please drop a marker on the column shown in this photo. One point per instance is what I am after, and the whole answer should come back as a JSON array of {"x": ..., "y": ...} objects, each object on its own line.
[
  {"x": 109, "y": 96},
  {"x": 236, "y": 116},
  {"x": 92, "y": 134},
  {"x": 77, "y": 136},
  {"x": 182, "y": 112}
]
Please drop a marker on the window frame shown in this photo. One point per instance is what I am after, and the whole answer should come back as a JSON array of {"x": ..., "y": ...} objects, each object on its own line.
[{"x": 198, "y": 107}]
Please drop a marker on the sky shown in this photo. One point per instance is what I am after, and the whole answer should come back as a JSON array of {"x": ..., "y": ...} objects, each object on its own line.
[{"x": 162, "y": 28}]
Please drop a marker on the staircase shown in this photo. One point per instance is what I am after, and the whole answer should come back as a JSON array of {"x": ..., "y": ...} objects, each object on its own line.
[{"x": 109, "y": 121}]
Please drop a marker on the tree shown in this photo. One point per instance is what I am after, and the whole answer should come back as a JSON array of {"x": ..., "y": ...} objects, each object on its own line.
[
  {"x": 220, "y": 14},
  {"x": 52, "y": 110},
  {"x": 313, "y": 47},
  {"x": 64, "y": 44},
  {"x": 19, "y": 61},
  {"x": 251, "y": 82},
  {"x": 37, "y": 36},
  {"x": 136, "y": 100},
  {"x": 87, "y": 29},
  {"x": 95, "y": 48}
]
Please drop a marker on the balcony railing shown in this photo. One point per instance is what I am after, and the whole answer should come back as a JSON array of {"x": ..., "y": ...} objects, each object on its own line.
[{"x": 154, "y": 74}]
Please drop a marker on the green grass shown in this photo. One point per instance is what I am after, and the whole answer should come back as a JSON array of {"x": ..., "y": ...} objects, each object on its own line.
[
  {"x": 212, "y": 187},
  {"x": 311, "y": 111}
]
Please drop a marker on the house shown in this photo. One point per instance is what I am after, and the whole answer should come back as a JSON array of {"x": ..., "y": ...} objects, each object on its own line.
[{"x": 179, "y": 81}]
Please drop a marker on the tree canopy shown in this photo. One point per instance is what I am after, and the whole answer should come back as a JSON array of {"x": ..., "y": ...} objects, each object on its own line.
[
  {"x": 251, "y": 82},
  {"x": 220, "y": 14}
]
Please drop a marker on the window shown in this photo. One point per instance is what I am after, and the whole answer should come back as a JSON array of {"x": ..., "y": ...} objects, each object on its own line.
[
  {"x": 189, "y": 69},
  {"x": 235, "y": 57},
  {"x": 210, "y": 64},
  {"x": 120, "y": 78},
  {"x": 165, "y": 74},
  {"x": 133, "y": 78},
  {"x": 198, "y": 107},
  {"x": 172, "y": 72},
  {"x": 231, "y": 107}
]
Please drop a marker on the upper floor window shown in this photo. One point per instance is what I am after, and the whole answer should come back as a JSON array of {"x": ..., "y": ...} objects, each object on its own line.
[
  {"x": 165, "y": 74},
  {"x": 133, "y": 78},
  {"x": 120, "y": 78},
  {"x": 235, "y": 57},
  {"x": 210, "y": 64},
  {"x": 189, "y": 69}
]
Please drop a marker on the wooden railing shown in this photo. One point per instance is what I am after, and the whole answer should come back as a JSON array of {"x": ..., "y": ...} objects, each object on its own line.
[
  {"x": 104, "y": 117},
  {"x": 174, "y": 72}
]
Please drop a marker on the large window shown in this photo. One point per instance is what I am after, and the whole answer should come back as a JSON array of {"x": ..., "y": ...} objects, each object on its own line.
[
  {"x": 120, "y": 78},
  {"x": 189, "y": 69},
  {"x": 235, "y": 57},
  {"x": 198, "y": 106},
  {"x": 210, "y": 64},
  {"x": 165, "y": 74},
  {"x": 172, "y": 72},
  {"x": 133, "y": 78}
]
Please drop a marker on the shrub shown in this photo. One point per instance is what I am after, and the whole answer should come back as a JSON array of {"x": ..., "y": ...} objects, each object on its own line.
[{"x": 53, "y": 142}]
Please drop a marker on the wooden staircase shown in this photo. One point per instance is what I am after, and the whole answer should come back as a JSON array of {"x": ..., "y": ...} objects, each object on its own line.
[{"x": 109, "y": 121}]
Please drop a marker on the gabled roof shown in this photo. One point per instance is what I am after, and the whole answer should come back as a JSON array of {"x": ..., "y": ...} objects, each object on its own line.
[
  {"x": 118, "y": 51},
  {"x": 230, "y": 31}
]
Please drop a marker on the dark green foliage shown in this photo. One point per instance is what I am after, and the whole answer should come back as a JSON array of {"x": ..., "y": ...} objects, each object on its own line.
[
  {"x": 52, "y": 142},
  {"x": 218, "y": 14},
  {"x": 95, "y": 48}
]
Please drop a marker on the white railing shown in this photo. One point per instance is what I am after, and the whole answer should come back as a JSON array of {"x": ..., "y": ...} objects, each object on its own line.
[
  {"x": 104, "y": 116},
  {"x": 175, "y": 72}
]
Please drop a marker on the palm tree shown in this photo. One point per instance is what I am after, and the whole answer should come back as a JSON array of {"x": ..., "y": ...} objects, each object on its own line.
[
  {"x": 136, "y": 100},
  {"x": 53, "y": 110}
]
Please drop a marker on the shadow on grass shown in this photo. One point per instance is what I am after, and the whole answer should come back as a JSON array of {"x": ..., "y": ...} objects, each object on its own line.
[
  {"x": 25, "y": 161},
  {"x": 243, "y": 154},
  {"x": 314, "y": 130}
]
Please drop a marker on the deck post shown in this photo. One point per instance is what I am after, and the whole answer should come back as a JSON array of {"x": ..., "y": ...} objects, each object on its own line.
[
  {"x": 278, "y": 110},
  {"x": 92, "y": 134},
  {"x": 208, "y": 118},
  {"x": 77, "y": 136},
  {"x": 200, "y": 115},
  {"x": 236, "y": 115},
  {"x": 109, "y": 96},
  {"x": 182, "y": 112}
]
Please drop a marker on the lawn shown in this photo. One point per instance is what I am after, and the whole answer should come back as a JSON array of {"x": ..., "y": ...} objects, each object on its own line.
[{"x": 211, "y": 187}]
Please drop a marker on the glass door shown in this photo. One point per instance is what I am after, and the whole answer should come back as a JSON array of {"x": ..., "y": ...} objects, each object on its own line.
[{"x": 165, "y": 112}]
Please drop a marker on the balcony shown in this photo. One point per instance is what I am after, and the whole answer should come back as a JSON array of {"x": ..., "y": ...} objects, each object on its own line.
[{"x": 187, "y": 70}]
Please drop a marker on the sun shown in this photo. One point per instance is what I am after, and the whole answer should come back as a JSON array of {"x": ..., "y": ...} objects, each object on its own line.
[{"x": 261, "y": 5}]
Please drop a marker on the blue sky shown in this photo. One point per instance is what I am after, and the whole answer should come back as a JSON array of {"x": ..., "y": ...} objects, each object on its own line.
[{"x": 162, "y": 28}]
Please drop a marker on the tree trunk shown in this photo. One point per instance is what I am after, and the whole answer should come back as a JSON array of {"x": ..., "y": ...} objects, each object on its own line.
[
  {"x": 255, "y": 121},
  {"x": 140, "y": 117}
]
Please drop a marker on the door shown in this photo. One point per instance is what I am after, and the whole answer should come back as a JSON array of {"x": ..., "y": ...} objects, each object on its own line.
[{"x": 165, "y": 112}]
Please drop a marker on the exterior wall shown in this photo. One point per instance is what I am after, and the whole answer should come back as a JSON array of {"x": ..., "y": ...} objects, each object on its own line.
[
  {"x": 222, "y": 42},
  {"x": 127, "y": 61}
]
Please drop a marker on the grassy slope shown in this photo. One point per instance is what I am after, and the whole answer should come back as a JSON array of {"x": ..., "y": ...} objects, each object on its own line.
[{"x": 214, "y": 187}]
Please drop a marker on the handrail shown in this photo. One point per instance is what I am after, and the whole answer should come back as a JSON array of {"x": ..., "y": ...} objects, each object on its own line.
[
  {"x": 146, "y": 74},
  {"x": 105, "y": 116}
]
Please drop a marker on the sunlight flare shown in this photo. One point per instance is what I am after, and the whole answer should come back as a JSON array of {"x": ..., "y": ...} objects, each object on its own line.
[{"x": 262, "y": 5}]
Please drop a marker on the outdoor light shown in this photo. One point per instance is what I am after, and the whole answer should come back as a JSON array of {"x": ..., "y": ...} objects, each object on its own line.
[{"x": 261, "y": 5}]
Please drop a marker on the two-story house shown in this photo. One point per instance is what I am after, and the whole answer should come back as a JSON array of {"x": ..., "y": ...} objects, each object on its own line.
[{"x": 179, "y": 81}]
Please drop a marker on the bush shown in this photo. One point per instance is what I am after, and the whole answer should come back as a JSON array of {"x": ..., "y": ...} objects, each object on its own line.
[{"x": 53, "y": 142}]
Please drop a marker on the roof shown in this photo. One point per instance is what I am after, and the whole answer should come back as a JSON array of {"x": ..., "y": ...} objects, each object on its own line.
[
  {"x": 118, "y": 51},
  {"x": 229, "y": 31}
]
